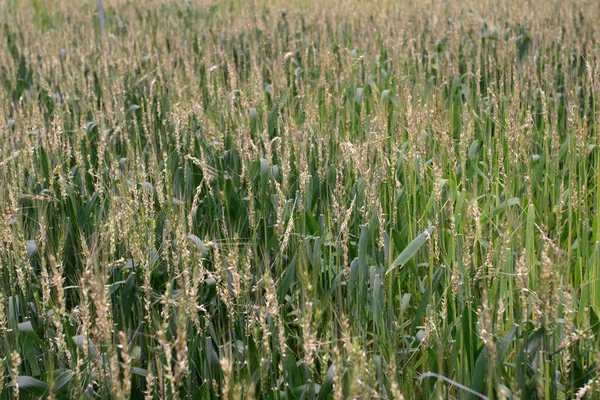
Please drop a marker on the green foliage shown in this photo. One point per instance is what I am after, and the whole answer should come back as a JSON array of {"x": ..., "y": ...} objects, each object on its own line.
[{"x": 329, "y": 200}]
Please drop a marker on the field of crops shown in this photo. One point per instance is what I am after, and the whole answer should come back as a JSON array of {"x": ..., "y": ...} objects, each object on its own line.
[{"x": 300, "y": 199}]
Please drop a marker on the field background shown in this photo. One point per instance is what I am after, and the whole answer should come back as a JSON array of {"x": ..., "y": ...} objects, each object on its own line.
[{"x": 299, "y": 199}]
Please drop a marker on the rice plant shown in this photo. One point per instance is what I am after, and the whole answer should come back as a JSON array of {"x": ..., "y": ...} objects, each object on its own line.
[{"x": 301, "y": 199}]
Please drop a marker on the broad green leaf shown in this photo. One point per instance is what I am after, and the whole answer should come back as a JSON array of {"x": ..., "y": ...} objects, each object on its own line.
[
  {"x": 28, "y": 383},
  {"x": 63, "y": 379},
  {"x": 411, "y": 249},
  {"x": 506, "y": 204},
  {"x": 327, "y": 385},
  {"x": 199, "y": 244}
]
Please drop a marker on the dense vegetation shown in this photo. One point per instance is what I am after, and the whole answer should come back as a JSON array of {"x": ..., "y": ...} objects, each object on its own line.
[{"x": 331, "y": 200}]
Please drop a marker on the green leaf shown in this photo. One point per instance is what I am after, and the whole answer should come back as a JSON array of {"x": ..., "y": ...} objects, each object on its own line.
[
  {"x": 81, "y": 341},
  {"x": 358, "y": 95},
  {"x": 199, "y": 244},
  {"x": 506, "y": 204},
  {"x": 32, "y": 248},
  {"x": 264, "y": 168},
  {"x": 327, "y": 385},
  {"x": 385, "y": 95},
  {"x": 411, "y": 249},
  {"x": 377, "y": 299},
  {"x": 132, "y": 109},
  {"x": 26, "y": 327},
  {"x": 253, "y": 114},
  {"x": 139, "y": 371},
  {"x": 28, "y": 383},
  {"x": 478, "y": 380},
  {"x": 63, "y": 379},
  {"x": 473, "y": 150},
  {"x": 285, "y": 283}
]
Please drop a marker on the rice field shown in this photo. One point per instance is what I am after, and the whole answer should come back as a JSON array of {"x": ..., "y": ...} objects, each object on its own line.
[{"x": 300, "y": 199}]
